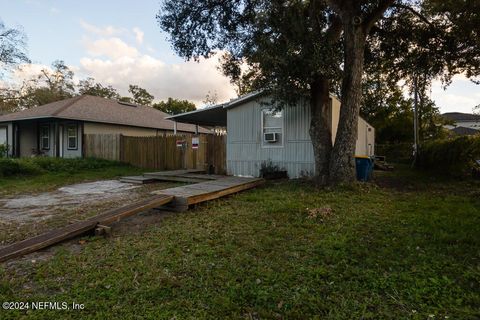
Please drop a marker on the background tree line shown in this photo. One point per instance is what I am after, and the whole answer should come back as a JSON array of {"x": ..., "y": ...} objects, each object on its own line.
[{"x": 58, "y": 84}]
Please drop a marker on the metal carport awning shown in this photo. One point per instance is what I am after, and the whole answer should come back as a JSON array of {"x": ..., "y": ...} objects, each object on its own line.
[{"x": 215, "y": 116}]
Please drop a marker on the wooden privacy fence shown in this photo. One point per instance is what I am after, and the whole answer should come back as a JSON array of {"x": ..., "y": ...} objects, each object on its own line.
[
  {"x": 103, "y": 146},
  {"x": 217, "y": 153},
  {"x": 161, "y": 152}
]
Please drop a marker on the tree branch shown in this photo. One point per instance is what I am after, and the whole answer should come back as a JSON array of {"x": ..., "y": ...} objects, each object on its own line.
[
  {"x": 376, "y": 14},
  {"x": 338, "y": 6},
  {"x": 335, "y": 29},
  {"x": 416, "y": 13}
]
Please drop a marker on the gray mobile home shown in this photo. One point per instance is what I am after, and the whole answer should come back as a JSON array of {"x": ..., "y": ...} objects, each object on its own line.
[{"x": 256, "y": 134}]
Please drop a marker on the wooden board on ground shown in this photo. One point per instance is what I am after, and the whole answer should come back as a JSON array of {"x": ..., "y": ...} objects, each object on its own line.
[
  {"x": 173, "y": 172},
  {"x": 75, "y": 229},
  {"x": 137, "y": 179},
  {"x": 44, "y": 240},
  {"x": 115, "y": 215},
  {"x": 173, "y": 178},
  {"x": 203, "y": 176}
]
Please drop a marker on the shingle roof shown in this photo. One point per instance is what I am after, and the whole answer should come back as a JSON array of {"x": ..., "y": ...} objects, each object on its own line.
[
  {"x": 464, "y": 131},
  {"x": 98, "y": 109},
  {"x": 458, "y": 116}
]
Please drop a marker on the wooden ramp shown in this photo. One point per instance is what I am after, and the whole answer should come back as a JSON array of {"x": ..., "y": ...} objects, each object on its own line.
[
  {"x": 75, "y": 229},
  {"x": 208, "y": 190}
]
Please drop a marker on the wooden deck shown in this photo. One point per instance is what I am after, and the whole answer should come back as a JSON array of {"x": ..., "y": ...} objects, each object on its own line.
[
  {"x": 196, "y": 193},
  {"x": 179, "y": 199}
]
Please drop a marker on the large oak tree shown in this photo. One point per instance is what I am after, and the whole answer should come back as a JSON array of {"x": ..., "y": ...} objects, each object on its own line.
[{"x": 297, "y": 49}]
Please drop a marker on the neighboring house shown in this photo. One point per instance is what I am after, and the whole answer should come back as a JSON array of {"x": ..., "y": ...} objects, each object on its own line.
[
  {"x": 255, "y": 134},
  {"x": 463, "y": 123},
  {"x": 56, "y": 129},
  {"x": 464, "y": 131}
]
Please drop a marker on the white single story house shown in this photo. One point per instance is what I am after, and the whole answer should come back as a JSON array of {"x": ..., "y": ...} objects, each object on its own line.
[
  {"x": 56, "y": 129},
  {"x": 255, "y": 134}
]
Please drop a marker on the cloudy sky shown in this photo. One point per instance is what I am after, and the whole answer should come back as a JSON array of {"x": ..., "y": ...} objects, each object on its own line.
[{"x": 119, "y": 43}]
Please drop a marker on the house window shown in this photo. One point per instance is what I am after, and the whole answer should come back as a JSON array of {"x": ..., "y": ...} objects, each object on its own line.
[
  {"x": 45, "y": 137},
  {"x": 272, "y": 128},
  {"x": 72, "y": 137}
]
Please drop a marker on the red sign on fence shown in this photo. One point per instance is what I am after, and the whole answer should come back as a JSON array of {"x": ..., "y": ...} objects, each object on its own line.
[{"x": 180, "y": 143}]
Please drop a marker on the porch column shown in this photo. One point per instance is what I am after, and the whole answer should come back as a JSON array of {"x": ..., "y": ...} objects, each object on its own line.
[
  {"x": 55, "y": 142},
  {"x": 175, "y": 127},
  {"x": 196, "y": 129}
]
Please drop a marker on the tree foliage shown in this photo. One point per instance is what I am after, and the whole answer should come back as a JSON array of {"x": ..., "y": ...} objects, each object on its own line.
[
  {"x": 140, "y": 95},
  {"x": 174, "y": 106},
  {"x": 90, "y": 87},
  {"x": 48, "y": 86},
  {"x": 301, "y": 49},
  {"x": 13, "y": 47},
  {"x": 278, "y": 46}
]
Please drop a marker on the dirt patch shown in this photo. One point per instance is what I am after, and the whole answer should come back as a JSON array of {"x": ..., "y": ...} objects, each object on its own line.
[
  {"x": 25, "y": 216},
  {"x": 45, "y": 205}
]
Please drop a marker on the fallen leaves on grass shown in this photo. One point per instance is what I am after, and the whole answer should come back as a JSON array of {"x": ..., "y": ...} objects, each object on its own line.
[{"x": 322, "y": 213}]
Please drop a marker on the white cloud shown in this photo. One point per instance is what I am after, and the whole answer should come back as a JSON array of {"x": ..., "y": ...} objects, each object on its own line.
[
  {"x": 54, "y": 10},
  {"x": 138, "y": 35},
  {"x": 102, "y": 31},
  {"x": 189, "y": 80},
  {"x": 27, "y": 71},
  {"x": 111, "y": 60},
  {"x": 461, "y": 95},
  {"x": 113, "y": 48}
]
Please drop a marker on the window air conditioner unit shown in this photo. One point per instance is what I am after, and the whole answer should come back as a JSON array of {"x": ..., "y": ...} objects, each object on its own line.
[{"x": 270, "y": 137}]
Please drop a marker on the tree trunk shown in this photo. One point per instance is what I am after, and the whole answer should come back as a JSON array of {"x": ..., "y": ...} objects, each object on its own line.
[
  {"x": 342, "y": 164},
  {"x": 320, "y": 131}
]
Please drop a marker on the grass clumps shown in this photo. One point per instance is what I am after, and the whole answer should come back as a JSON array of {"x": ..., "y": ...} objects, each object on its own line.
[{"x": 40, "y": 165}]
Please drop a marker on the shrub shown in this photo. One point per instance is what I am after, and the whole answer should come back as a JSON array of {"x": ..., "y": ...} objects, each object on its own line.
[
  {"x": 269, "y": 170},
  {"x": 453, "y": 156},
  {"x": 3, "y": 150},
  {"x": 32, "y": 166},
  {"x": 71, "y": 165},
  {"x": 13, "y": 167}
]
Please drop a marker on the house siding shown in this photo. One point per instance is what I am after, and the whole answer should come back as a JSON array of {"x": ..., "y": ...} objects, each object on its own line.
[
  {"x": 28, "y": 138},
  {"x": 104, "y": 128},
  {"x": 245, "y": 152}
]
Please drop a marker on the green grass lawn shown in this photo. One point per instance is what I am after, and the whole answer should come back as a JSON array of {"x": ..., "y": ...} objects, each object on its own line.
[{"x": 407, "y": 249}]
